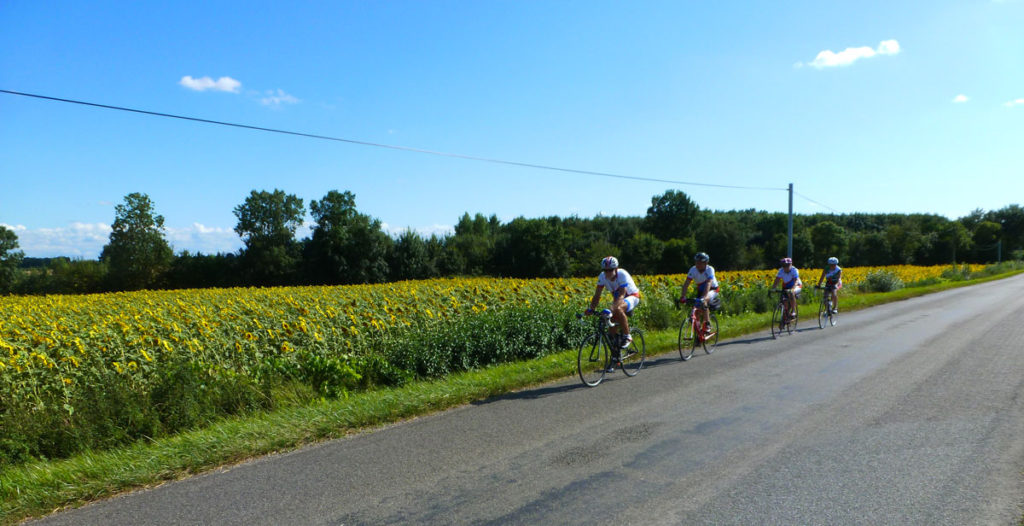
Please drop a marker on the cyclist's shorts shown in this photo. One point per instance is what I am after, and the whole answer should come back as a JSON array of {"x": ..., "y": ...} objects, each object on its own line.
[
  {"x": 796, "y": 291},
  {"x": 714, "y": 300},
  {"x": 631, "y": 302}
]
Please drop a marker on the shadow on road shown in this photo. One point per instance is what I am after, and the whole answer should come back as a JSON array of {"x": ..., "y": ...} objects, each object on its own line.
[
  {"x": 744, "y": 341},
  {"x": 533, "y": 394}
]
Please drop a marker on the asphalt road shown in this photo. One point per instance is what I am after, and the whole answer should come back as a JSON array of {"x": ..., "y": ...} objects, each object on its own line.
[{"x": 907, "y": 413}]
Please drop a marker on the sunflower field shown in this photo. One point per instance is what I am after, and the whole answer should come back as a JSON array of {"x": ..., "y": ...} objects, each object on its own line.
[{"x": 96, "y": 371}]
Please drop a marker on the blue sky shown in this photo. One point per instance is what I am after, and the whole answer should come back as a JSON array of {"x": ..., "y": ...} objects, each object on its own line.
[{"x": 863, "y": 106}]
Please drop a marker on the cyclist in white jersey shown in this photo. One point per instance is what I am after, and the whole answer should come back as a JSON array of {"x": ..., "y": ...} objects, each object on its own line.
[
  {"x": 625, "y": 297},
  {"x": 789, "y": 277},
  {"x": 833, "y": 278},
  {"x": 702, "y": 276}
]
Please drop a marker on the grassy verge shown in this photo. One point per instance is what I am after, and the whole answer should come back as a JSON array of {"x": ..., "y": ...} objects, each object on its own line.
[{"x": 39, "y": 487}]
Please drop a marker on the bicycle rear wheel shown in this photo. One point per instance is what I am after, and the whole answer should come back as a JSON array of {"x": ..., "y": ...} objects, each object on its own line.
[
  {"x": 711, "y": 340},
  {"x": 686, "y": 340},
  {"x": 833, "y": 317},
  {"x": 592, "y": 359},
  {"x": 791, "y": 325},
  {"x": 777, "y": 320},
  {"x": 634, "y": 356}
]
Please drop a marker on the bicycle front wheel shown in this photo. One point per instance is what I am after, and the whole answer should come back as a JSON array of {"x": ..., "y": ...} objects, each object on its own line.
[
  {"x": 711, "y": 340},
  {"x": 634, "y": 356},
  {"x": 822, "y": 313},
  {"x": 686, "y": 340},
  {"x": 777, "y": 320},
  {"x": 592, "y": 359}
]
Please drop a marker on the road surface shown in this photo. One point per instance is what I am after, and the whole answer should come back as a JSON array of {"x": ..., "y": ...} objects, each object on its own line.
[{"x": 906, "y": 413}]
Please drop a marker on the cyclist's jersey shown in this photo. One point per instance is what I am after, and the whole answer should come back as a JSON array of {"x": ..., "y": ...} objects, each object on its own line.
[
  {"x": 703, "y": 280},
  {"x": 833, "y": 277},
  {"x": 622, "y": 280},
  {"x": 790, "y": 279}
]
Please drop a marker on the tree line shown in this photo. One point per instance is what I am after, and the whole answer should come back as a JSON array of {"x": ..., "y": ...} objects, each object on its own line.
[{"x": 349, "y": 247}]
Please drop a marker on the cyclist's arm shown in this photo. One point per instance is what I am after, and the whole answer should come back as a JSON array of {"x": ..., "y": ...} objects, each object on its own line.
[
  {"x": 775, "y": 284},
  {"x": 686, "y": 285},
  {"x": 596, "y": 298},
  {"x": 822, "y": 278}
]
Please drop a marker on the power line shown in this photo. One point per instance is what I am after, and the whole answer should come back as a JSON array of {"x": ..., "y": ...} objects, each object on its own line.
[
  {"x": 390, "y": 146},
  {"x": 815, "y": 202}
]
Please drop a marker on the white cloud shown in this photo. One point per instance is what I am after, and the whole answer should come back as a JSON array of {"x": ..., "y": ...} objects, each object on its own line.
[
  {"x": 79, "y": 240},
  {"x": 86, "y": 240},
  {"x": 961, "y": 98},
  {"x": 277, "y": 98},
  {"x": 1014, "y": 102},
  {"x": 201, "y": 238},
  {"x": 227, "y": 84},
  {"x": 888, "y": 47},
  {"x": 830, "y": 59}
]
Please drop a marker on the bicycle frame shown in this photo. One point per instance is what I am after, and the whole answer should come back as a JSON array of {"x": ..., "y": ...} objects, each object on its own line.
[
  {"x": 784, "y": 322},
  {"x": 596, "y": 351},
  {"x": 826, "y": 307},
  {"x": 697, "y": 332}
]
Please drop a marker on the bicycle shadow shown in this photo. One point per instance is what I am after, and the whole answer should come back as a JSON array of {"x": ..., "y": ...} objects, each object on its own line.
[
  {"x": 744, "y": 341},
  {"x": 532, "y": 394}
]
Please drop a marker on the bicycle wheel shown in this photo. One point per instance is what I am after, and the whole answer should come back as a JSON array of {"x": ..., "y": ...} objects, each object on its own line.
[
  {"x": 791, "y": 326},
  {"x": 592, "y": 359},
  {"x": 686, "y": 340},
  {"x": 634, "y": 356},
  {"x": 823, "y": 313},
  {"x": 833, "y": 317},
  {"x": 777, "y": 320},
  {"x": 711, "y": 340}
]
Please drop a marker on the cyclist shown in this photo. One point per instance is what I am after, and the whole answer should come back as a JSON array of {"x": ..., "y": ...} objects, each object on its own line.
[
  {"x": 705, "y": 291},
  {"x": 833, "y": 278},
  {"x": 789, "y": 276},
  {"x": 625, "y": 298}
]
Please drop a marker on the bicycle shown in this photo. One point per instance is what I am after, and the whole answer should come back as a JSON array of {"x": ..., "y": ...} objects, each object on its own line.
[
  {"x": 781, "y": 323},
  {"x": 594, "y": 358},
  {"x": 707, "y": 337},
  {"x": 825, "y": 308}
]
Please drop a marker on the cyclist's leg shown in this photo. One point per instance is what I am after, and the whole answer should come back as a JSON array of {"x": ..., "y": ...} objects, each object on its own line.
[
  {"x": 614, "y": 330},
  {"x": 708, "y": 303},
  {"x": 628, "y": 304}
]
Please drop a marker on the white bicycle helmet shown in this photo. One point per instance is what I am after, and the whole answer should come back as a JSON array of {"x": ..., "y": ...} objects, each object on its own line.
[
  {"x": 833, "y": 261},
  {"x": 609, "y": 263}
]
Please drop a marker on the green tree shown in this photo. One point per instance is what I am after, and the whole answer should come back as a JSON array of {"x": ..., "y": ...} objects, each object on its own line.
[
  {"x": 829, "y": 240},
  {"x": 77, "y": 276},
  {"x": 346, "y": 247},
  {"x": 10, "y": 258},
  {"x": 642, "y": 254},
  {"x": 137, "y": 254},
  {"x": 410, "y": 258},
  {"x": 532, "y": 248},
  {"x": 724, "y": 239},
  {"x": 473, "y": 244},
  {"x": 986, "y": 236},
  {"x": 1011, "y": 218},
  {"x": 267, "y": 222},
  {"x": 677, "y": 257},
  {"x": 671, "y": 215},
  {"x": 869, "y": 249}
]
